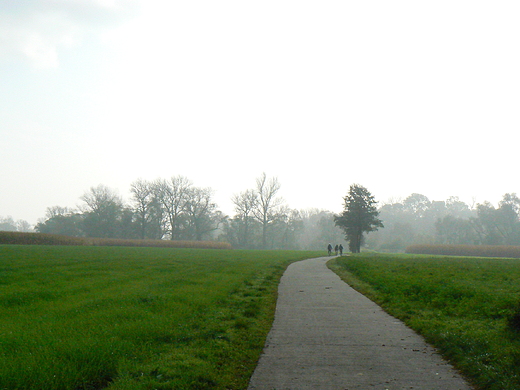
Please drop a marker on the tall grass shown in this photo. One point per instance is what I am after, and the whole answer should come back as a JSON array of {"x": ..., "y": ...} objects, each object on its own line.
[
  {"x": 134, "y": 318},
  {"x": 19, "y": 238},
  {"x": 466, "y": 307}
]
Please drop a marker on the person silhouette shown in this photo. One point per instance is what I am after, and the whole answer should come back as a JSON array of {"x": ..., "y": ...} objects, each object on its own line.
[
  {"x": 329, "y": 249},
  {"x": 340, "y": 249}
]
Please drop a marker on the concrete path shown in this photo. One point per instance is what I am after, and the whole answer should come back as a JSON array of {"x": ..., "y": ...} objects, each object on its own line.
[{"x": 328, "y": 336}]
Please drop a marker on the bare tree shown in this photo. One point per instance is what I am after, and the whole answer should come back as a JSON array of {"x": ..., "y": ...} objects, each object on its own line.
[
  {"x": 23, "y": 226},
  {"x": 172, "y": 195},
  {"x": 201, "y": 213},
  {"x": 245, "y": 205},
  {"x": 266, "y": 209},
  {"x": 286, "y": 225},
  {"x": 318, "y": 229},
  {"x": 57, "y": 211},
  {"x": 146, "y": 209},
  {"x": 7, "y": 224},
  {"x": 99, "y": 198}
]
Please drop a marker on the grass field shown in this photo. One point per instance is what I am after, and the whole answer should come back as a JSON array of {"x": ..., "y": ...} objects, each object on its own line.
[
  {"x": 134, "y": 318},
  {"x": 469, "y": 308}
]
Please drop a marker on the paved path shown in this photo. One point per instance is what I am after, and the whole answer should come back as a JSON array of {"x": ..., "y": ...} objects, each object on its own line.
[{"x": 328, "y": 336}]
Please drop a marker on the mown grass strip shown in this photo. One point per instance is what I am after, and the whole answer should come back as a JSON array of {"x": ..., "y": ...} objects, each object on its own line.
[
  {"x": 134, "y": 318},
  {"x": 467, "y": 307}
]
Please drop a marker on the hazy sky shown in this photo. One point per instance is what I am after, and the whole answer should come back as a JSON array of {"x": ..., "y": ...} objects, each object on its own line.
[{"x": 399, "y": 96}]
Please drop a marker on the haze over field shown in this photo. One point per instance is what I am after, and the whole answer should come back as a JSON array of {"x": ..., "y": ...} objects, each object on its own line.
[{"x": 402, "y": 97}]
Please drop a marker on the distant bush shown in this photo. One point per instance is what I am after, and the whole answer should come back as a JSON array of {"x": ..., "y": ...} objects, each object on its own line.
[
  {"x": 466, "y": 250},
  {"x": 18, "y": 238}
]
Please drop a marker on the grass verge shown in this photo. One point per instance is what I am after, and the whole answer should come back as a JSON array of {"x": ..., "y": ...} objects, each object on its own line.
[
  {"x": 466, "y": 307},
  {"x": 509, "y": 251},
  {"x": 134, "y": 318}
]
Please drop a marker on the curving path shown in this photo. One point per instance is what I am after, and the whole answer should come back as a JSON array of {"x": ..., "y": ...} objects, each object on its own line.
[{"x": 326, "y": 335}]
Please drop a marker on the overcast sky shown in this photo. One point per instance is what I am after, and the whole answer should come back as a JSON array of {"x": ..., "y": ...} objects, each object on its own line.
[{"x": 399, "y": 96}]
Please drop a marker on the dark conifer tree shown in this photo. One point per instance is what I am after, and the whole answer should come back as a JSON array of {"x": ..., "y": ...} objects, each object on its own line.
[{"x": 360, "y": 215}]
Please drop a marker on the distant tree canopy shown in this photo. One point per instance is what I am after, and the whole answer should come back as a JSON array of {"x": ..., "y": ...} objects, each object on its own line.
[
  {"x": 8, "y": 224},
  {"x": 360, "y": 215},
  {"x": 263, "y": 221},
  {"x": 417, "y": 220},
  {"x": 163, "y": 209},
  {"x": 175, "y": 209}
]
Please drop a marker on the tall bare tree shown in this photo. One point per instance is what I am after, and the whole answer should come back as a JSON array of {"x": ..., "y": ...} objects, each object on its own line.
[
  {"x": 245, "y": 205},
  {"x": 146, "y": 208},
  {"x": 266, "y": 209},
  {"x": 57, "y": 211},
  {"x": 7, "y": 224},
  {"x": 202, "y": 217},
  {"x": 173, "y": 195}
]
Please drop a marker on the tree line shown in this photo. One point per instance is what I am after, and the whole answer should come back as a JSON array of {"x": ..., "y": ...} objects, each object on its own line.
[
  {"x": 176, "y": 209},
  {"x": 8, "y": 224},
  {"x": 418, "y": 220}
]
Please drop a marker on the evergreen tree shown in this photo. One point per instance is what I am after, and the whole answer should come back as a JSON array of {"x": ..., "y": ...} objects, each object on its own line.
[{"x": 360, "y": 215}]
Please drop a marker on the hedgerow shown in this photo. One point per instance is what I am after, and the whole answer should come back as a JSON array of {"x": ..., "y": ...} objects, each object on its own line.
[
  {"x": 18, "y": 238},
  {"x": 466, "y": 250}
]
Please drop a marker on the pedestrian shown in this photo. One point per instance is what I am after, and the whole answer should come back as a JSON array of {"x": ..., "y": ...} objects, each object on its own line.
[
  {"x": 340, "y": 250},
  {"x": 336, "y": 249},
  {"x": 329, "y": 249}
]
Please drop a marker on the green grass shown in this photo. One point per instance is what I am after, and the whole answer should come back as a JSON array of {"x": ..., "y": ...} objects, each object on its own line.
[
  {"x": 134, "y": 318},
  {"x": 467, "y": 307}
]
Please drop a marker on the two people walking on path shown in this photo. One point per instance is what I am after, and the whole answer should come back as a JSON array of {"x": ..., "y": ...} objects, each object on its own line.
[
  {"x": 327, "y": 336},
  {"x": 337, "y": 248}
]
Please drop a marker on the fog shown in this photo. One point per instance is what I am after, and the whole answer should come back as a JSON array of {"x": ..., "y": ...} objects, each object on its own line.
[
  {"x": 176, "y": 209},
  {"x": 401, "y": 97}
]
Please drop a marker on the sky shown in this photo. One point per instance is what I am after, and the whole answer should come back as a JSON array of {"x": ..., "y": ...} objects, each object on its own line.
[{"x": 401, "y": 97}]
